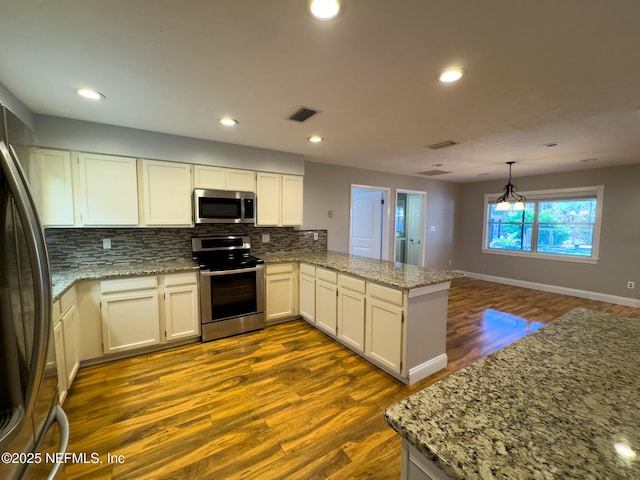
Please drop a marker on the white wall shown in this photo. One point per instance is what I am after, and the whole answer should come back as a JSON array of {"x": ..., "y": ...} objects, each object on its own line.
[
  {"x": 328, "y": 187},
  {"x": 619, "y": 240},
  {"x": 17, "y": 107},
  {"x": 67, "y": 134}
]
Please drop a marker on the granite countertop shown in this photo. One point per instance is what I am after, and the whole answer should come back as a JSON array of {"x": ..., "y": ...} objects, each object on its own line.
[
  {"x": 62, "y": 280},
  {"x": 391, "y": 274},
  {"x": 557, "y": 404}
]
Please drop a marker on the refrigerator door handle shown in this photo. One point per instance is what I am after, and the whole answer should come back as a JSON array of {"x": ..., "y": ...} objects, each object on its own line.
[
  {"x": 36, "y": 245},
  {"x": 63, "y": 423}
]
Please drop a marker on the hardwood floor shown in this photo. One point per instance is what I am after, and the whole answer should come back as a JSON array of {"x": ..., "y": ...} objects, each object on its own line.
[{"x": 283, "y": 403}]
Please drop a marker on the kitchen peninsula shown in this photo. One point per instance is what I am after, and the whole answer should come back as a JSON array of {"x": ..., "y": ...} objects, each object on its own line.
[
  {"x": 393, "y": 314},
  {"x": 486, "y": 422}
]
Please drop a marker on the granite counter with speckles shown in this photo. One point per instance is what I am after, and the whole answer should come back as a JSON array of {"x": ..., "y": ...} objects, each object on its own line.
[
  {"x": 561, "y": 403},
  {"x": 392, "y": 274},
  {"x": 62, "y": 280}
]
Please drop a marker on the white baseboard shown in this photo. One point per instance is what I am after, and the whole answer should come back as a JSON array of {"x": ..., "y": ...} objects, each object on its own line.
[
  {"x": 427, "y": 368},
  {"x": 574, "y": 292}
]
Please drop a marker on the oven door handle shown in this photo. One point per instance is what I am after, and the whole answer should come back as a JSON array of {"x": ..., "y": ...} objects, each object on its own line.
[{"x": 216, "y": 273}]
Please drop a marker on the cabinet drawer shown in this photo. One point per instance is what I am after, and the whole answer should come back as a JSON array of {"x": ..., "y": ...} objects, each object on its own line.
[
  {"x": 326, "y": 275},
  {"x": 350, "y": 283},
  {"x": 176, "y": 279},
  {"x": 273, "y": 269},
  {"x": 385, "y": 294},
  {"x": 68, "y": 300},
  {"x": 306, "y": 269},
  {"x": 127, "y": 284}
]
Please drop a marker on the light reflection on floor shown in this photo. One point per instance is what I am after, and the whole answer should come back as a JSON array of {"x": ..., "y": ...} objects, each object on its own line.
[{"x": 496, "y": 320}]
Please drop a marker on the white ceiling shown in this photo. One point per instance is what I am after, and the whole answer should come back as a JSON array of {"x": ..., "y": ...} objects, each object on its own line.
[{"x": 539, "y": 71}]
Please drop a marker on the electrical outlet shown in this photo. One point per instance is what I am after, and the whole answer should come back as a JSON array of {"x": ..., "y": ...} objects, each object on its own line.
[
  {"x": 106, "y": 243},
  {"x": 315, "y": 235},
  {"x": 450, "y": 262},
  {"x": 631, "y": 285},
  {"x": 266, "y": 238}
]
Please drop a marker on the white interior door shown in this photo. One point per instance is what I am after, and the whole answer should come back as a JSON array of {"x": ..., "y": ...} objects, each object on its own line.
[{"x": 367, "y": 210}]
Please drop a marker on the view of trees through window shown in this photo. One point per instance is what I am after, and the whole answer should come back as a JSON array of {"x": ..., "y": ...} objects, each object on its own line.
[{"x": 562, "y": 227}]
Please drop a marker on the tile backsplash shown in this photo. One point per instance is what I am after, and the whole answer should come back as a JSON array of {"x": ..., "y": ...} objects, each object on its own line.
[{"x": 73, "y": 247}]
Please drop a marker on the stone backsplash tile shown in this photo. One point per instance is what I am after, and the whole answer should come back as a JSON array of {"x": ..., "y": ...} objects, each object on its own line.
[{"x": 72, "y": 247}]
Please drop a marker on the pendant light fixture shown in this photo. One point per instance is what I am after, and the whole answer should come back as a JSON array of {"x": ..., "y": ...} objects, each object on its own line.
[{"x": 510, "y": 195}]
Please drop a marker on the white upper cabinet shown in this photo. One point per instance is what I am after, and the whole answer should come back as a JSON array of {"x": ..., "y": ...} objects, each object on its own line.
[
  {"x": 165, "y": 193},
  {"x": 242, "y": 180},
  {"x": 56, "y": 206},
  {"x": 279, "y": 199},
  {"x": 268, "y": 194},
  {"x": 107, "y": 189},
  {"x": 219, "y": 178},
  {"x": 292, "y": 198}
]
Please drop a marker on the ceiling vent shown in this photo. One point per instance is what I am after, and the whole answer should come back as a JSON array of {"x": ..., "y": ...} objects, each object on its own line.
[
  {"x": 445, "y": 144},
  {"x": 302, "y": 114},
  {"x": 433, "y": 173}
]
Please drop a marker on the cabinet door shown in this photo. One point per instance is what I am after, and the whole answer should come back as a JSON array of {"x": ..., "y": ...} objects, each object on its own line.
[
  {"x": 268, "y": 193},
  {"x": 108, "y": 190},
  {"x": 69, "y": 323},
  {"x": 210, "y": 177},
  {"x": 383, "y": 342},
  {"x": 241, "y": 180},
  {"x": 280, "y": 296},
  {"x": 130, "y": 320},
  {"x": 56, "y": 205},
  {"x": 326, "y": 306},
  {"x": 308, "y": 297},
  {"x": 166, "y": 193},
  {"x": 292, "y": 200},
  {"x": 351, "y": 315},
  {"x": 181, "y": 314},
  {"x": 58, "y": 339}
]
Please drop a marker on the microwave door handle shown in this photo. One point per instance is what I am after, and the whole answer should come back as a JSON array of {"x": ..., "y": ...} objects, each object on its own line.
[
  {"x": 216, "y": 273},
  {"x": 35, "y": 242}
]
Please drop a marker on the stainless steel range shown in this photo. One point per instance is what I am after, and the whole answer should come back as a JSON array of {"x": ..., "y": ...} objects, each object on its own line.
[{"x": 231, "y": 286}]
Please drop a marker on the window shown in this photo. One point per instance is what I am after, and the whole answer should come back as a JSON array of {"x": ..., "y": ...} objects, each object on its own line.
[{"x": 555, "y": 224}]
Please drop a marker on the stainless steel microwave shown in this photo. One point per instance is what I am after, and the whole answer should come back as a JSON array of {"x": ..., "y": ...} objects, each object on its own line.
[{"x": 222, "y": 206}]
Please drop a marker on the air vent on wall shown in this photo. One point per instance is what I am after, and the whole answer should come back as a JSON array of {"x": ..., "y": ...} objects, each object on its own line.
[
  {"x": 445, "y": 144},
  {"x": 302, "y": 114},
  {"x": 433, "y": 173}
]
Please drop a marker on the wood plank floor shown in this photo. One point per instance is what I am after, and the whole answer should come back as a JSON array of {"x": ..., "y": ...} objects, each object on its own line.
[{"x": 283, "y": 403}]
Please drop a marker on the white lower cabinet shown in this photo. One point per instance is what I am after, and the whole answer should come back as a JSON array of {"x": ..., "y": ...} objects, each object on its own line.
[
  {"x": 181, "y": 312},
  {"x": 384, "y": 326},
  {"x": 281, "y": 292},
  {"x": 415, "y": 466},
  {"x": 307, "y": 304},
  {"x": 65, "y": 336},
  {"x": 130, "y": 313},
  {"x": 58, "y": 340},
  {"x": 327, "y": 300},
  {"x": 351, "y": 311}
]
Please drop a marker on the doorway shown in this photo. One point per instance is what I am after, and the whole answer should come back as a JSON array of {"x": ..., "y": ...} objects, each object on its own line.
[
  {"x": 411, "y": 208},
  {"x": 369, "y": 215}
]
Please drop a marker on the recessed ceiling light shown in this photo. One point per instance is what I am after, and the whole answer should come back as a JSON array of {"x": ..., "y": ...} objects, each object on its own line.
[
  {"x": 228, "y": 121},
  {"x": 451, "y": 75},
  {"x": 315, "y": 139},
  {"x": 89, "y": 93},
  {"x": 325, "y": 9}
]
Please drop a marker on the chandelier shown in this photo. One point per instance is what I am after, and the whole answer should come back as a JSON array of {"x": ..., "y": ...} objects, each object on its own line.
[{"x": 510, "y": 195}]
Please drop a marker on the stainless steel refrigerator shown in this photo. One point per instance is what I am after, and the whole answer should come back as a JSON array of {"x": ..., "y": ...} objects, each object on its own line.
[{"x": 34, "y": 429}]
